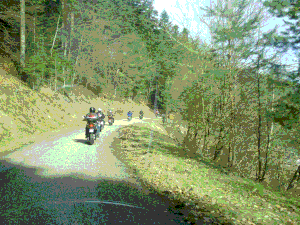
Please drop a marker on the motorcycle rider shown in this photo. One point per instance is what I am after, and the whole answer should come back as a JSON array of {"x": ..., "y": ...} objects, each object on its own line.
[
  {"x": 101, "y": 116},
  {"x": 142, "y": 113},
  {"x": 163, "y": 117},
  {"x": 91, "y": 117},
  {"x": 129, "y": 114},
  {"x": 110, "y": 115}
]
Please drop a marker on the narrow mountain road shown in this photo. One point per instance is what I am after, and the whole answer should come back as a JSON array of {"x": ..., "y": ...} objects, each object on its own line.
[
  {"x": 63, "y": 180},
  {"x": 72, "y": 155}
]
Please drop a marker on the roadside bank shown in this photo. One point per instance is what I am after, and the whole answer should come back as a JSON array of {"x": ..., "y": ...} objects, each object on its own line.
[{"x": 195, "y": 189}]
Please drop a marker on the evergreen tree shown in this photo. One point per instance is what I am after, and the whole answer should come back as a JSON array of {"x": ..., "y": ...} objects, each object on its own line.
[
  {"x": 290, "y": 38},
  {"x": 164, "y": 18}
]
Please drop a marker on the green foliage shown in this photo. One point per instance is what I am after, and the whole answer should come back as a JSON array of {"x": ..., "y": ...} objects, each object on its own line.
[
  {"x": 234, "y": 29},
  {"x": 164, "y": 18},
  {"x": 288, "y": 38}
]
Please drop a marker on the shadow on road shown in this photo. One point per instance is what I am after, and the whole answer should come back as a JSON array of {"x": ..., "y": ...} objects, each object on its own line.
[
  {"x": 83, "y": 141},
  {"x": 27, "y": 198}
]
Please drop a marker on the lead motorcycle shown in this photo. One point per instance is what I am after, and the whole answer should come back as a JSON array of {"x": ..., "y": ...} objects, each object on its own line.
[{"x": 92, "y": 131}]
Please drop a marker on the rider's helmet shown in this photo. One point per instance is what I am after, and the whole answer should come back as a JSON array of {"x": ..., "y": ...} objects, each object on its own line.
[
  {"x": 99, "y": 110},
  {"x": 92, "y": 110}
]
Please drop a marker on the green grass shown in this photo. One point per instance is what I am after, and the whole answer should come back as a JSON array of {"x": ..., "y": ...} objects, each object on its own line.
[{"x": 235, "y": 200}]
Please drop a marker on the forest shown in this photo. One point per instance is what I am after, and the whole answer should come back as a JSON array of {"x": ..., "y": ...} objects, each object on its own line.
[{"x": 240, "y": 104}]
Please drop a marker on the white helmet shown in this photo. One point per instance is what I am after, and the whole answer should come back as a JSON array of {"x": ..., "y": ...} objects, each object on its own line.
[{"x": 99, "y": 110}]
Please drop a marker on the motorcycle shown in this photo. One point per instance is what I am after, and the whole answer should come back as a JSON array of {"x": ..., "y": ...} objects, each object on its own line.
[
  {"x": 92, "y": 132},
  {"x": 110, "y": 121},
  {"x": 99, "y": 126},
  {"x": 102, "y": 123},
  {"x": 129, "y": 118},
  {"x": 163, "y": 119},
  {"x": 141, "y": 116}
]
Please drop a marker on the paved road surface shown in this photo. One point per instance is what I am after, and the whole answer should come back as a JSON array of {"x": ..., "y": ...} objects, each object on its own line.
[{"x": 63, "y": 180}]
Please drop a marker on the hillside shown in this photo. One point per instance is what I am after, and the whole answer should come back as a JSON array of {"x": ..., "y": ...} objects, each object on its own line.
[
  {"x": 197, "y": 188},
  {"x": 25, "y": 113}
]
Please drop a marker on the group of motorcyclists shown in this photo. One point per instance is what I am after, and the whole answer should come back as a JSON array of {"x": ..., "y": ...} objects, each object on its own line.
[
  {"x": 141, "y": 116},
  {"x": 97, "y": 119}
]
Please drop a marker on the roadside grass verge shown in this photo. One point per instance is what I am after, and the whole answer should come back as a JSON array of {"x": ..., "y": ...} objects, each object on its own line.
[{"x": 197, "y": 188}]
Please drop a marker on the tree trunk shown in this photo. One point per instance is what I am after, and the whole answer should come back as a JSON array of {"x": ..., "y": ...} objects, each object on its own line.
[
  {"x": 186, "y": 138},
  {"x": 34, "y": 52},
  {"x": 231, "y": 137},
  {"x": 218, "y": 150},
  {"x": 269, "y": 136},
  {"x": 294, "y": 178},
  {"x": 155, "y": 100},
  {"x": 65, "y": 49},
  {"x": 204, "y": 140},
  {"x": 55, "y": 35},
  {"x": 76, "y": 61},
  {"x": 34, "y": 30},
  {"x": 65, "y": 27},
  {"x": 258, "y": 174},
  {"x": 71, "y": 52},
  {"x": 55, "y": 76},
  {"x": 193, "y": 147},
  {"x": 22, "y": 34},
  {"x": 267, "y": 153},
  {"x": 115, "y": 82}
]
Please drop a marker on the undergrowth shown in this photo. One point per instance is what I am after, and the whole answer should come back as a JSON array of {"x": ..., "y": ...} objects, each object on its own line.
[{"x": 199, "y": 186}]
